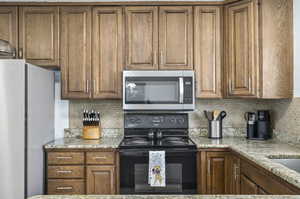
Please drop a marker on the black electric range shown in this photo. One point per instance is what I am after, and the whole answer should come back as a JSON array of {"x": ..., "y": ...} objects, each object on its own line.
[{"x": 151, "y": 132}]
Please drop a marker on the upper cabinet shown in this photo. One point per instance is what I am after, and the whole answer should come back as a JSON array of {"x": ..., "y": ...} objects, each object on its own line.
[
  {"x": 207, "y": 35},
  {"x": 38, "y": 38},
  {"x": 75, "y": 49},
  {"x": 259, "y": 49},
  {"x": 107, "y": 51},
  {"x": 241, "y": 50},
  {"x": 9, "y": 25},
  {"x": 176, "y": 37},
  {"x": 141, "y": 38}
]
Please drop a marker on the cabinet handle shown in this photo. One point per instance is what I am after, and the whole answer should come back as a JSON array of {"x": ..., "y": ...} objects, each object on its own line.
[
  {"x": 161, "y": 58},
  {"x": 94, "y": 85},
  {"x": 208, "y": 167},
  {"x": 87, "y": 86},
  {"x": 155, "y": 58},
  {"x": 100, "y": 158},
  {"x": 235, "y": 172},
  {"x": 64, "y": 157},
  {"x": 21, "y": 53},
  {"x": 64, "y": 171},
  {"x": 64, "y": 188}
]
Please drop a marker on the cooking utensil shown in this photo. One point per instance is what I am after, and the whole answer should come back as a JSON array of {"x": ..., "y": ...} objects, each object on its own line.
[
  {"x": 208, "y": 115},
  {"x": 222, "y": 115},
  {"x": 216, "y": 114}
]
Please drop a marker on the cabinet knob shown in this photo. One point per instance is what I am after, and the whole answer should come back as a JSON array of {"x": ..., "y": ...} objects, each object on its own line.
[{"x": 21, "y": 53}]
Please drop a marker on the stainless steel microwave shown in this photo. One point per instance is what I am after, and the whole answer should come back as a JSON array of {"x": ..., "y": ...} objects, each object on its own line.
[{"x": 158, "y": 90}]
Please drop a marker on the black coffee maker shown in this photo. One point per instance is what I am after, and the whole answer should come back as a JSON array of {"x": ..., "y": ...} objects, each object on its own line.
[{"x": 258, "y": 125}]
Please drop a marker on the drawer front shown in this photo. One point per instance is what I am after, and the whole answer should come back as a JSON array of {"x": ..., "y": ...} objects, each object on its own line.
[
  {"x": 100, "y": 158},
  {"x": 65, "y": 158},
  {"x": 65, "y": 171},
  {"x": 65, "y": 187}
]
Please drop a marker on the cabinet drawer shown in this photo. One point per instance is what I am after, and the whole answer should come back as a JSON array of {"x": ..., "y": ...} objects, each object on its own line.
[
  {"x": 65, "y": 171},
  {"x": 100, "y": 158},
  {"x": 65, "y": 158},
  {"x": 66, "y": 187}
]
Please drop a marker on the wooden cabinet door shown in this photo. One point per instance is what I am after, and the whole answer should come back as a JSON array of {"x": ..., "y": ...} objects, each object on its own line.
[
  {"x": 38, "y": 37},
  {"x": 207, "y": 26},
  {"x": 234, "y": 175},
  {"x": 107, "y": 52},
  {"x": 9, "y": 24},
  {"x": 248, "y": 187},
  {"x": 241, "y": 50},
  {"x": 217, "y": 172},
  {"x": 101, "y": 180},
  {"x": 175, "y": 37},
  {"x": 141, "y": 37},
  {"x": 75, "y": 45}
]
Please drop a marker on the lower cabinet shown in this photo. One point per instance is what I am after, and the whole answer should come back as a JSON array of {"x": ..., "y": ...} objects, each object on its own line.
[
  {"x": 82, "y": 172},
  {"x": 217, "y": 172},
  {"x": 221, "y": 171},
  {"x": 248, "y": 186},
  {"x": 100, "y": 180}
]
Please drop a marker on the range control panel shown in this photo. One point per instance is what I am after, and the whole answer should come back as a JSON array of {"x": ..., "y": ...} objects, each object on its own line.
[{"x": 161, "y": 121}]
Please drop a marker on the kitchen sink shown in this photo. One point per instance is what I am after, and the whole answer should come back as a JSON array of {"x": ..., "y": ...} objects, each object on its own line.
[{"x": 291, "y": 163}]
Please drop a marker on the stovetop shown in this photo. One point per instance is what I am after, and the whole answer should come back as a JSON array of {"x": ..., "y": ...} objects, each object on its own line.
[
  {"x": 156, "y": 131},
  {"x": 165, "y": 142}
]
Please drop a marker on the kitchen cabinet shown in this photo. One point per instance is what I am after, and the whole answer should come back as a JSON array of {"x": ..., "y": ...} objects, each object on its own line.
[
  {"x": 75, "y": 48},
  {"x": 256, "y": 180},
  {"x": 248, "y": 187},
  {"x": 208, "y": 59},
  {"x": 234, "y": 178},
  {"x": 101, "y": 180},
  {"x": 9, "y": 24},
  {"x": 252, "y": 70},
  {"x": 107, "y": 59},
  {"x": 176, "y": 37},
  {"x": 141, "y": 38},
  {"x": 242, "y": 50},
  {"x": 39, "y": 35},
  {"x": 82, "y": 171},
  {"x": 217, "y": 172}
]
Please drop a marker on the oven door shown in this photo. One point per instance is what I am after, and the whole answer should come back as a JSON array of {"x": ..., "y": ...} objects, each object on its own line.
[
  {"x": 180, "y": 173},
  {"x": 158, "y": 90}
]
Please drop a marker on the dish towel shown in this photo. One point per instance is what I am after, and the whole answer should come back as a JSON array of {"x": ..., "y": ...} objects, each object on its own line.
[{"x": 157, "y": 169}]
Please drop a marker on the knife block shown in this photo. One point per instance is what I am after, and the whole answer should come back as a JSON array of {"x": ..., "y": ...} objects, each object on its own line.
[{"x": 91, "y": 132}]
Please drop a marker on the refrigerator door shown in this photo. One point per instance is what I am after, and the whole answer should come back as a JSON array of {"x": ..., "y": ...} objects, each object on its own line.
[
  {"x": 12, "y": 129},
  {"x": 40, "y": 124}
]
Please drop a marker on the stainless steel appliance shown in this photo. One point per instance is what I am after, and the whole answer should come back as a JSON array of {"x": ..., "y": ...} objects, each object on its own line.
[
  {"x": 151, "y": 132},
  {"x": 26, "y": 124},
  {"x": 158, "y": 90}
]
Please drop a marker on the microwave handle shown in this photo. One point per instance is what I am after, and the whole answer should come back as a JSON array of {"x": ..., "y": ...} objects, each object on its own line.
[{"x": 181, "y": 90}]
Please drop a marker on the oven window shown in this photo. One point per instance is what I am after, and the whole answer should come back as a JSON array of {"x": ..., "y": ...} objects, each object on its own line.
[
  {"x": 152, "y": 90},
  {"x": 173, "y": 179}
]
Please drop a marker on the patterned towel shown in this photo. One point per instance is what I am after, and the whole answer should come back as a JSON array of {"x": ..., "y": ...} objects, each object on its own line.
[{"x": 157, "y": 169}]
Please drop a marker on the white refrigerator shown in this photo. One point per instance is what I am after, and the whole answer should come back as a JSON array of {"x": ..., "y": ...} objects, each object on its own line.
[{"x": 26, "y": 124}]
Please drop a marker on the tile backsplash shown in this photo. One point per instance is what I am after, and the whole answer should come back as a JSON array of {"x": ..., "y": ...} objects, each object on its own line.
[
  {"x": 285, "y": 115},
  {"x": 112, "y": 113}
]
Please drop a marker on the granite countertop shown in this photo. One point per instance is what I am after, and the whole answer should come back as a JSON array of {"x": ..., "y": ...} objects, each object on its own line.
[
  {"x": 162, "y": 197},
  {"x": 259, "y": 152},
  {"x": 78, "y": 143}
]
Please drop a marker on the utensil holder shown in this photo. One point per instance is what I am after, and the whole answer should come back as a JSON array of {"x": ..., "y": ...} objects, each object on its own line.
[{"x": 215, "y": 129}]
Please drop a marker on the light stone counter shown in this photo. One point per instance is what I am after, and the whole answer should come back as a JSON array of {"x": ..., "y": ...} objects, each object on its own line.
[
  {"x": 258, "y": 152},
  {"x": 78, "y": 143},
  {"x": 163, "y": 197}
]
